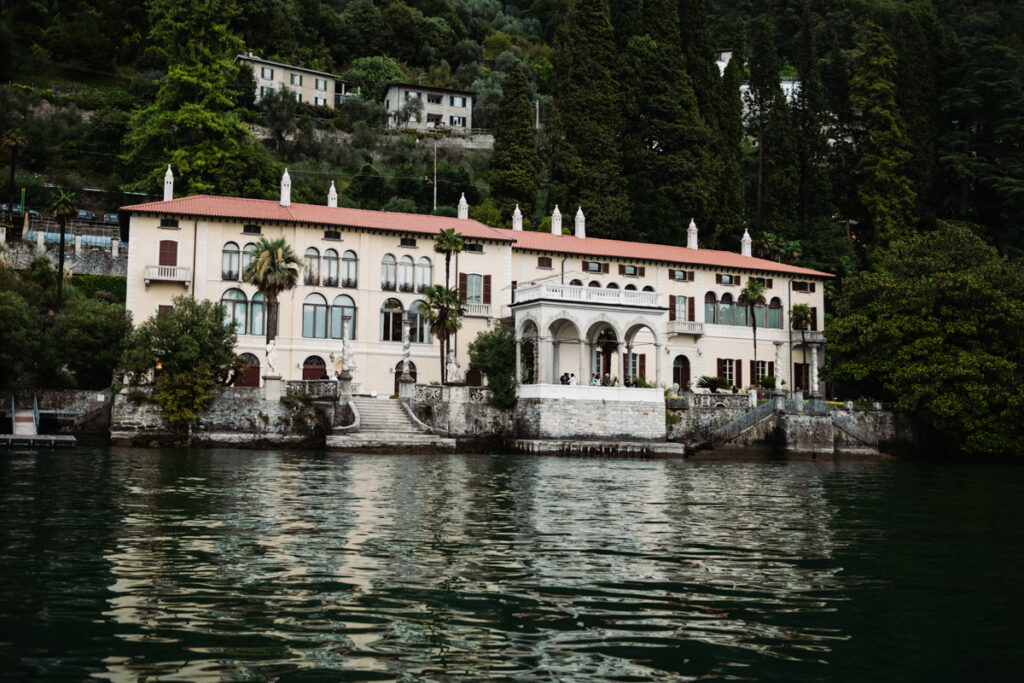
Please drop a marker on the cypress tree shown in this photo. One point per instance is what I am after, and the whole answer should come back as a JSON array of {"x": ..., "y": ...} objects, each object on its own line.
[
  {"x": 810, "y": 115},
  {"x": 769, "y": 123},
  {"x": 729, "y": 195},
  {"x": 586, "y": 167},
  {"x": 882, "y": 183},
  {"x": 515, "y": 162}
]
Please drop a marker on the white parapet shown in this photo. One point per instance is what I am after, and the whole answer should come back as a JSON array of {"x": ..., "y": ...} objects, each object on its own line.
[{"x": 585, "y": 392}]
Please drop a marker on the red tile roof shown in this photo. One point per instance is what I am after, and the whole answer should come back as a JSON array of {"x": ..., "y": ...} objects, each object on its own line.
[
  {"x": 271, "y": 210},
  {"x": 641, "y": 251},
  {"x": 315, "y": 214}
]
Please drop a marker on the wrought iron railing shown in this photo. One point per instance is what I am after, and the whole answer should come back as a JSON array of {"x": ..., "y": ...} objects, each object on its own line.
[
  {"x": 845, "y": 422},
  {"x": 387, "y": 286},
  {"x": 330, "y": 282},
  {"x": 748, "y": 419},
  {"x": 406, "y": 287},
  {"x": 349, "y": 282}
]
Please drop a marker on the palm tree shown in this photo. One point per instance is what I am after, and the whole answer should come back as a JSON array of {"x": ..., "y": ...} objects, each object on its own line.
[
  {"x": 752, "y": 296},
  {"x": 63, "y": 208},
  {"x": 14, "y": 144},
  {"x": 800, "y": 319},
  {"x": 444, "y": 314},
  {"x": 274, "y": 269},
  {"x": 448, "y": 242}
]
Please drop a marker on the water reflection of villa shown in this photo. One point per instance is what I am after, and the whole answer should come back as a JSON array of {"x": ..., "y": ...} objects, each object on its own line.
[{"x": 580, "y": 305}]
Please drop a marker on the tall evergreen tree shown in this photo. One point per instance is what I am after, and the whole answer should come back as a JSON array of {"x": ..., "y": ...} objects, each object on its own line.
[
  {"x": 810, "y": 118},
  {"x": 729, "y": 195},
  {"x": 515, "y": 163},
  {"x": 882, "y": 183},
  {"x": 588, "y": 123},
  {"x": 769, "y": 123}
]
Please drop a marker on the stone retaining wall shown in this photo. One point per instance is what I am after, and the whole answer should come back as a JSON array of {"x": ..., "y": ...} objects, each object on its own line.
[
  {"x": 462, "y": 411},
  {"x": 83, "y": 261},
  {"x": 554, "y": 411}
]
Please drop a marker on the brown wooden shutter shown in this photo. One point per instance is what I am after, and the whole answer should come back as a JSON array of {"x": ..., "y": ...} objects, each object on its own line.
[
  {"x": 168, "y": 253},
  {"x": 586, "y": 266},
  {"x": 753, "y": 372},
  {"x": 739, "y": 373},
  {"x": 462, "y": 286},
  {"x": 622, "y": 269},
  {"x": 771, "y": 369},
  {"x": 604, "y": 268},
  {"x": 691, "y": 306},
  {"x": 737, "y": 280},
  {"x": 721, "y": 367},
  {"x": 814, "y": 318},
  {"x": 543, "y": 261},
  {"x": 718, "y": 278},
  {"x": 642, "y": 372},
  {"x": 812, "y": 288},
  {"x": 671, "y": 307},
  {"x": 487, "y": 289},
  {"x": 164, "y": 311},
  {"x": 643, "y": 270},
  {"x": 769, "y": 283}
]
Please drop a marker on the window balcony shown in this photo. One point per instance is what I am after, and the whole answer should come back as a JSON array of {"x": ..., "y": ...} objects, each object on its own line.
[
  {"x": 474, "y": 310},
  {"x": 228, "y": 275},
  {"x": 349, "y": 282},
  {"x": 406, "y": 287},
  {"x": 311, "y": 280},
  {"x": 587, "y": 295},
  {"x": 810, "y": 336},
  {"x": 168, "y": 274},
  {"x": 686, "y": 327},
  {"x": 387, "y": 286},
  {"x": 330, "y": 282}
]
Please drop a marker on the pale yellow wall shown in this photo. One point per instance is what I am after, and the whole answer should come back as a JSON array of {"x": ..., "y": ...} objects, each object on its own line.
[{"x": 283, "y": 79}]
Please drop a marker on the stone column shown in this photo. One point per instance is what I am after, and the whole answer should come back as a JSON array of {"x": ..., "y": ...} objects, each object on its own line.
[
  {"x": 114, "y": 244},
  {"x": 778, "y": 366},
  {"x": 272, "y": 385},
  {"x": 40, "y": 239},
  {"x": 556, "y": 361},
  {"x": 627, "y": 365},
  {"x": 813, "y": 389},
  {"x": 519, "y": 361},
  {"x": 584, "y": 376},
  {"x": 406, "y": 384},
  {"x": 620, "y": 362},
  {"x": 345, "y": 376},
  {"x": 544, "y": 371},
  {"x": 78, "y": 246},
  {"x": 659, "y": 365}
]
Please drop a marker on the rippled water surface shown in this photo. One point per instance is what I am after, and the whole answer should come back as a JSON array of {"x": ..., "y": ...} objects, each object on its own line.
[{"x": 225, "y": 565}]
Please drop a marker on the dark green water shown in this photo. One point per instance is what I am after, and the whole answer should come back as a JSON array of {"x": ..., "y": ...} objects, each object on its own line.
[{"x": 224, "y": 565}]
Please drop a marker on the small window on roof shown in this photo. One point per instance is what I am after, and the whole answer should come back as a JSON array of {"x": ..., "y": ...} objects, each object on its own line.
[
  {"x": 252, "y": 229},
  {"x": 408, "y": 242}
]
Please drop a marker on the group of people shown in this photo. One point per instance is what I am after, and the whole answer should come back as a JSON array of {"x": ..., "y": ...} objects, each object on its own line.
[{"x": 568, "y": 378}]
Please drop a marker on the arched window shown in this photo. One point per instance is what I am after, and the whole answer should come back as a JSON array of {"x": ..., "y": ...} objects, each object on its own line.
[
  {"x": 330, "y": 268},
  {"x": 419, "y": 333},
  {"x": 576, "y": 283},
  {"x": 406, "y": 274},
  {"x": 612, "y": 285},
  {"x": 349, "y": 269},
  {"x": 234, "y": 302},
  {"x": 648, "y": 288},
  {"x": 248, "y": 254},
  {"x": 631, "y": 287},
  {"x": 229, "y": 262},
  {"x": 314, "y": 317},
  {"x": 250, "y": 374},
  {"x": 312, "y": 266},
  {"x": 595, "y": 284},
  {"x": 775, "y": 313},
  {"x": 424, "y": 274},
  {"x": 314, "y": 367},
  {"x": 343, "y": 306},
  {"x": 726, "y": 310},
  {"x": 257, "y": 316},
  {"x": 391, "y": 320},
  {"x": 710, "y": 308},
  {"x": 388, "y": 273}
]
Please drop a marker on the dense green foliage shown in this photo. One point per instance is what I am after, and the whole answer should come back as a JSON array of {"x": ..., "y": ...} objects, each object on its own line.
[
  {"x": 938, "y": 327},
  {"x": 274, "y": 269},
  {"x": 515, "y": 165},
  {"x": 493, "y": 353}
]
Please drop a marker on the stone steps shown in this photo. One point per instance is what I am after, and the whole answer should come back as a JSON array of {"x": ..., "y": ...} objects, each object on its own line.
[
  {"x": 388, "y": 440},
  {"x": 24, "y": 422},
  {"x": 378, "y": 415}
]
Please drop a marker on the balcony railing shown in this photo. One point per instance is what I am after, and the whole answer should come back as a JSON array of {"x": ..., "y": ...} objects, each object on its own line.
[
  {"x": 168, "y": 274},
  {"x": 349, "y": 282},
  {"x": 478, "y": 310},
  {"x": 685, "y": 327},
  {"x": 588, "y": 295},
  {"x": 810, "y": 336},
  {"x": 406, "y": 287},
  {"x": 387, "y": 286},
  {"x": 330, "y": 282},
  {"x": 228, "y": 275},
  {"x": 311, "y": 280}
]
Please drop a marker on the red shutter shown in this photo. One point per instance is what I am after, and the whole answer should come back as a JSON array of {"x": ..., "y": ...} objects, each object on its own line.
[
  {"x": 604, "y": 267},
  {"x": 753, "y": 372},
  {"x": 690, "y": 317},
  {"x": 643, "y": 270},
  {"x": 462, "y": 286},
  {"x": 812, "y": 288},
  {"x": 168, "y": 253},
  {"x": 718, "y": 278},
  {"x": 769, "y": 283},
  {"x": 814, "y": 318},
  {"x": 739, "y": 373},
  {"x": 671, "y": 307},
  {"x": 643, "y": 366},
  {"x": 721, "y": 367},
  {"x": 622, "y": 269},
  {"x": 487, "y": 289},
  {"x": 739, "y": 281},
  {"x": 771, "y": 370},
  {"x": 586, "y": 266},
  {"x": 163, "y": 311}
]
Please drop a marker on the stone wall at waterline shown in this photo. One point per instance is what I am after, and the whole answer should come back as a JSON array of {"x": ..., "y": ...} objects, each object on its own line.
[
  {"x": 462, "y": 411},
  {"x": 554, "y": 411}
]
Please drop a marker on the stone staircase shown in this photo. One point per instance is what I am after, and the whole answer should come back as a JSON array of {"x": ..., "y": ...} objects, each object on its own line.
[{"x": 385, "y": 426}]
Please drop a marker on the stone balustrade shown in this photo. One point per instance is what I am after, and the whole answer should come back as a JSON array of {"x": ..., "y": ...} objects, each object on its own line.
[{"x": 587, "y": 295}]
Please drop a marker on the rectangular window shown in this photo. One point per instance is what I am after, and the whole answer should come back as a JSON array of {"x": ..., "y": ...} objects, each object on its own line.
[
  {"x": 169, "y": 223},
  {"x": 682, "y": 275},
  {"x": 265, "y": 89},
  {"x": 727, "y": 369},
  {"x": 682, "y": 307},
  {"x": 593, "y": 267},
  {"x": 164, "y": 310},
  {"x": 411, "y": 95},
  {"x": 435, "y": 99},
  {"x": 252, "y": 229},
  {"x": 320, "y": 101},
  {"x": 760, "y": 370},
  {"x": 297, "y": 79},
  {"x": 457, "y": 121},
  {"x": 321, "y": 84},
  {"x": 267, "y": 73},
  {"x": 728, "y": 279},
  {"x": 473, "y": 247},
  {"x": 457, "y": 101},
  {"x": 799, "y": 286},
  {"x": 766, "y": 282},
  {"x": 408, "y": 242},
  {"x": 544, "y": 262},
  {"x": 332, "y": 235},
  {"x": 168, "y": 254},
  {"x": 474, "y": 288},
  {"x": 298, "y": 97}
]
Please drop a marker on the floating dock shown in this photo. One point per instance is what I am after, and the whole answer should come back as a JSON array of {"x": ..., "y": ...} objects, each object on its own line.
[{"x": 37, "y": 441}]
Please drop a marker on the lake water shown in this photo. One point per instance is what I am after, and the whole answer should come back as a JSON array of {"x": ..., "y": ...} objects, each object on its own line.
[{"x": 124, "y": 565}]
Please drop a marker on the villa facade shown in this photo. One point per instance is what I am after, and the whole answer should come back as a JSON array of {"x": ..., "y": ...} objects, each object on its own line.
[
  {"x": 579, "y": 305},
  {"x": 441, "y": 108}
]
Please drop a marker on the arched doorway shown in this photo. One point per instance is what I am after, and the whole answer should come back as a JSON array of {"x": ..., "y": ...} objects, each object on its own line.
[
  {"x": 681, "y": 372},
  {"x": 314, "y": 367},
  {"x": 250, "y": 374},
  {"x": 474, "y": 378},
  {"x": 398, "y": 373}
]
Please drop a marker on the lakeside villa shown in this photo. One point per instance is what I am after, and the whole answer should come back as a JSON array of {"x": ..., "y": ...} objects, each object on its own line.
[{"x": 670, "y": 313}]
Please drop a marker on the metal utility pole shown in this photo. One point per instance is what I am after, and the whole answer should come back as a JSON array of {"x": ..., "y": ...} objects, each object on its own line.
[
  {"x": 536, "y": 109},
  {"x": 435, "y": 174}
]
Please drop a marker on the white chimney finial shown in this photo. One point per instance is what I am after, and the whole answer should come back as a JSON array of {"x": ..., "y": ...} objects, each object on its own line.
[
  {"x": 286, "y": 189},
  {"x": 746, "y": 243},
  {"x": 332, "y": 196},
  {"x": 581, "y": 223},
  {"x": 168, "y": 184},
  {"x": 463, "y": 207},
  {"x": 691, "y": 235},
  {"x": 556, "y": 221},
  {"x": 517, "y": 219}
]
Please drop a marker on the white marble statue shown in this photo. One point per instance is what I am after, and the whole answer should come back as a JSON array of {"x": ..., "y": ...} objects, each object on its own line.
[
  {"x": 271, "y": 348},
  {"x": 452, "y": 370}
]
